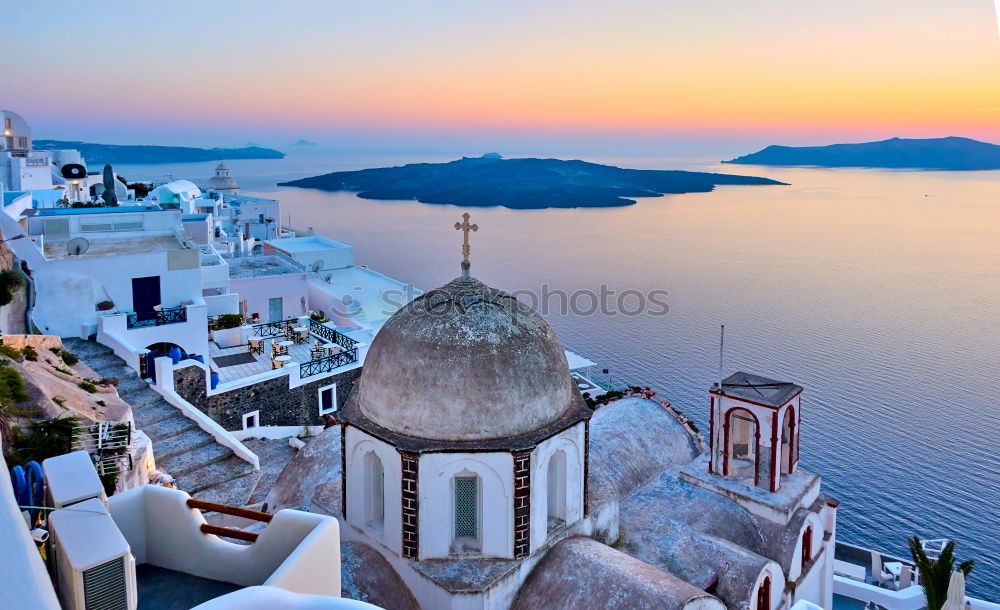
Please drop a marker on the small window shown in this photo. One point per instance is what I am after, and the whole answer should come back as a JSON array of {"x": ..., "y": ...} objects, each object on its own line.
[
  {"x": 328, "y": 399},
  {"x": 466, "y": 507},
  {"x": 6, "y": 123},
  {"x": 374, "y": 493},
  {"x": 251, "y": 420}
]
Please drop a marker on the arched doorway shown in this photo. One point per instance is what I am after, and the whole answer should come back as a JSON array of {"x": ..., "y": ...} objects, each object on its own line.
[
  {"x": 374, "y": 492},
  {"x": 764, "y": 594},
  {"x": 788, "y": 441},
  {"x": 807, "y": 543},
  {"x": 556, "y": 492},
  {"x": 742, "y": 444}
]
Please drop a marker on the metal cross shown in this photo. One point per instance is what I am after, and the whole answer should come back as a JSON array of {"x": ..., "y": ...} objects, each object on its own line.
[{"x": 465, "y": 227}]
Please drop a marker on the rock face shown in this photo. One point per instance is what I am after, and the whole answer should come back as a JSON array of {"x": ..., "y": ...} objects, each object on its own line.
[
  {"x": 465, "y": 362},
  {"x": 935, "y": 153},
  {"x": 520, "y": 183}
]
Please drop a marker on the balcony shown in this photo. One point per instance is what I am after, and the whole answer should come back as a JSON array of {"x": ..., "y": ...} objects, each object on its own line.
[{"x": 148, "y": 319}]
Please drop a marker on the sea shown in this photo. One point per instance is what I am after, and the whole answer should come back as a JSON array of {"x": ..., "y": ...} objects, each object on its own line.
[{"x": 878, "y": 291}]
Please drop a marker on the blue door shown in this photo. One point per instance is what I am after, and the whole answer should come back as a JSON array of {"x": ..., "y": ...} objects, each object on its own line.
[
  {"x": 145, "y": 296},
  {"x": 274, "y": 310}
]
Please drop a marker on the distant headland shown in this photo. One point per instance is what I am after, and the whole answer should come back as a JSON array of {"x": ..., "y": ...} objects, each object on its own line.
[
  {"x": 897, "y": 153},
  {"x": 304, "y": 143},
  {"x": 98, "y": 154},
  {"x": 491, "y": 181}
]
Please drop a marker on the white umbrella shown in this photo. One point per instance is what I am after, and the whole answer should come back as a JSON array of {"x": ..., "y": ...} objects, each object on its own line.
[{"x": 956, "y": 592}]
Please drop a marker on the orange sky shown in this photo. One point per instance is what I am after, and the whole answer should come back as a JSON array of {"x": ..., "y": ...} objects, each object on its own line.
[{"x": 913, "y": 68}]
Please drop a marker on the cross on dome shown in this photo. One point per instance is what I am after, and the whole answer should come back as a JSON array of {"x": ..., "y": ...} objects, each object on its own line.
[{"x": 465, "y": 227}]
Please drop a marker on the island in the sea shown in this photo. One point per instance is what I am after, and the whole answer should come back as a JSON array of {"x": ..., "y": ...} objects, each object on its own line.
[
  {"x": 97, "y": 154},
  {"x": 304, "y": 143},
  {"x": 490, "y": 181},
  {"x": 896, "y": 153}
]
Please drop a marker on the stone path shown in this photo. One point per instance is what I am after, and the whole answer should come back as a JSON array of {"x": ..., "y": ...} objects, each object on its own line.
[{"x": 200, "y": 466}]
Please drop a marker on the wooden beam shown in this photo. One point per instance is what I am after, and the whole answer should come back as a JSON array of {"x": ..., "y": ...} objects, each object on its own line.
[
  {"x": 225, "y": 509},
  {"x": 228, "y": 532}
]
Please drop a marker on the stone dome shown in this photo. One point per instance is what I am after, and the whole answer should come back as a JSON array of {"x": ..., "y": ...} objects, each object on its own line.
[
  {"x": 465, "y": 362},
  {"x": 222, "y": 181}
]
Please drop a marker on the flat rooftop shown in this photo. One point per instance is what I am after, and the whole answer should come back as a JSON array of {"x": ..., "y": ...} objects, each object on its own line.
[
  {"x": 259, "y": 266},
  {"x": 755, "y": 388},
  {"x": 310, "y": 243},
  {"x": 107, "y": 244}
]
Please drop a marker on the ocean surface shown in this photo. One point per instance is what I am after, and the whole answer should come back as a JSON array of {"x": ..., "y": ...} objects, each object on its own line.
[{"x": 878, "y": 291}]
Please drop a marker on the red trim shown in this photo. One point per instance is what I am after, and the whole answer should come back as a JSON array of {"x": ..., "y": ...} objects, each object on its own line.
[
  {"x": 756, "y": 452},
  {"x": 774, "y": 481},
  {"x": 792, "y": 444},
  {"x": 833, "y": 502},
  {"x": 711, "y": 433},
  {"x": 759, "y": 404}
]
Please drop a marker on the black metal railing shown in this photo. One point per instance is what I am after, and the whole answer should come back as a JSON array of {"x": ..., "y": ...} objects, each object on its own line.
[
  {"x": 325, "y": 332},
  {"x": 144, "y": 319},
  {"x": 328, "y": 363},
  {"x": 274, "y": 329}
]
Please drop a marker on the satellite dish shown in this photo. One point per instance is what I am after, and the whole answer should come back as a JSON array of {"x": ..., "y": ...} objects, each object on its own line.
[
  {"x": 316, "y": 266},
  {"x": 74, "y": 171},
  {"x": 77, "y": 246}
]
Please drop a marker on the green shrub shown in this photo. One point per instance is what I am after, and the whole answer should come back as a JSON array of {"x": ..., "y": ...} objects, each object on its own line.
[
  {"x": 228, "y": 320},
  {"x": 69, "y": 358},
  {"x": 107, "y": 381},
  {"x": 11, "y": 352},
  {"x": 10, "y": 282},
  {"x": 11, "y": 387},
  {"x": 55, "y": 350},
  {"x": 59, "y": 400},
  {"x": 87, "y": 386},
  {"x": 44, "y": 439},
  {"x": 30, "y": 353},
  {"x": 319, "y": 316}
]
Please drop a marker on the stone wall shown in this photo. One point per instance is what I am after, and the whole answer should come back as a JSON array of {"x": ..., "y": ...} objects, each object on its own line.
[{"x": 278, "y": 404}]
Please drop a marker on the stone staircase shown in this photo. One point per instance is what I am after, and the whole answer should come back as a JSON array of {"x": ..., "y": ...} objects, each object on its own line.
[{"x": 200, "y": 465}]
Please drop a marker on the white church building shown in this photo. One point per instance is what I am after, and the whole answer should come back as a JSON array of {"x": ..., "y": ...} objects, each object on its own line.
[{"x": 470, "y": 474}]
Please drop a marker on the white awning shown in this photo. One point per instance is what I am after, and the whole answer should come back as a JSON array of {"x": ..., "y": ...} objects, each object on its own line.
[{"x": 577, "y": 361}]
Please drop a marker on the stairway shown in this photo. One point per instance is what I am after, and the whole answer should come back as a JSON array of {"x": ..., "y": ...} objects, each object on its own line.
[{"x": 200, "y": 465}]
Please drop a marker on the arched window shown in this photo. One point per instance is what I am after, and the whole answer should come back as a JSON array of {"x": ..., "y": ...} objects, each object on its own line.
[
  {"x": 807, "y": 543},
  {"x": 764, "y": 594},
  {"x": 467, "y": 514},
  {"x": 556, "y": 499},
  {"x": 374, "y": 492}
]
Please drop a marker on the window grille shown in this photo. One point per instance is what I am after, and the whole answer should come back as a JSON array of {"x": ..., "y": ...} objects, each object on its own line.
[{"x": 466, "y": 507}]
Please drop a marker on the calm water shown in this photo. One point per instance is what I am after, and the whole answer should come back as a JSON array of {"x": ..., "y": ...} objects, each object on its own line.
[{"x": 878, "y": 291}]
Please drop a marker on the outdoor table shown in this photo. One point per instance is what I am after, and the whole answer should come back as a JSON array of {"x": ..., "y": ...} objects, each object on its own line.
[
  {"x": 280, "y": 361},
  {"x": 301, "y": 334},
  {"x": 894, "y": 568}
]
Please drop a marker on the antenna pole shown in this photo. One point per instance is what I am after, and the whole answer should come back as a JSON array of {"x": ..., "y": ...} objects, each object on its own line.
[{"x": 722, "y": 342}]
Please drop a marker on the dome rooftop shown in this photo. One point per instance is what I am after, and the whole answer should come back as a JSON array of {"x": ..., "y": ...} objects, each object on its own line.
[
  {"x": 466, "y": 363},
  {"x": 222, "y": 181}
]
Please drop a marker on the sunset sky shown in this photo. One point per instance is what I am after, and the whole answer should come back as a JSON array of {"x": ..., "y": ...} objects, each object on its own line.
[{"x": 408, "y": 72}]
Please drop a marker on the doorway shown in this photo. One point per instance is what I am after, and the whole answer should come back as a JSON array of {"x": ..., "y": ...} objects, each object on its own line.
[
  {"x": 275, "y": 310},
  {"x": 145, "y": 296}
]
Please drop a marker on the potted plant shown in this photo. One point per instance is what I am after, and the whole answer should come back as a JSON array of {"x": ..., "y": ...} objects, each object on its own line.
[{"x": 228, "y": 330}]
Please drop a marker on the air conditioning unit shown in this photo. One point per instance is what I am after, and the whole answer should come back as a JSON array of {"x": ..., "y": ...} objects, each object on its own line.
[
  {"x": 72, "y": 478},
  {"x": 93, "y": 564}
]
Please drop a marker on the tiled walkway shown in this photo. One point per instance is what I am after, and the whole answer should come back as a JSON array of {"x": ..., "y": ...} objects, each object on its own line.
[{"x": 299, "y": 353}]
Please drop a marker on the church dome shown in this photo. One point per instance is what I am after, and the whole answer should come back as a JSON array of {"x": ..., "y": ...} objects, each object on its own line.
[
  {"x": 222, "y": 181},
  {"x": 465, "y": 362}
]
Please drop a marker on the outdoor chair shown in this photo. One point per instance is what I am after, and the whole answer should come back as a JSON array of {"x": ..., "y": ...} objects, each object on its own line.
[{"x": 256, "y": 345}]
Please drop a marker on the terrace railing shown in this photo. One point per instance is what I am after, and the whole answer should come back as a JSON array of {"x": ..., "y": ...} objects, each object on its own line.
[
  {"x": 331, "y": 335},
  {"x": 146, "y": 319},
  {"x": 328, "y": 363},
  {"x": 274, "y": 329}
]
